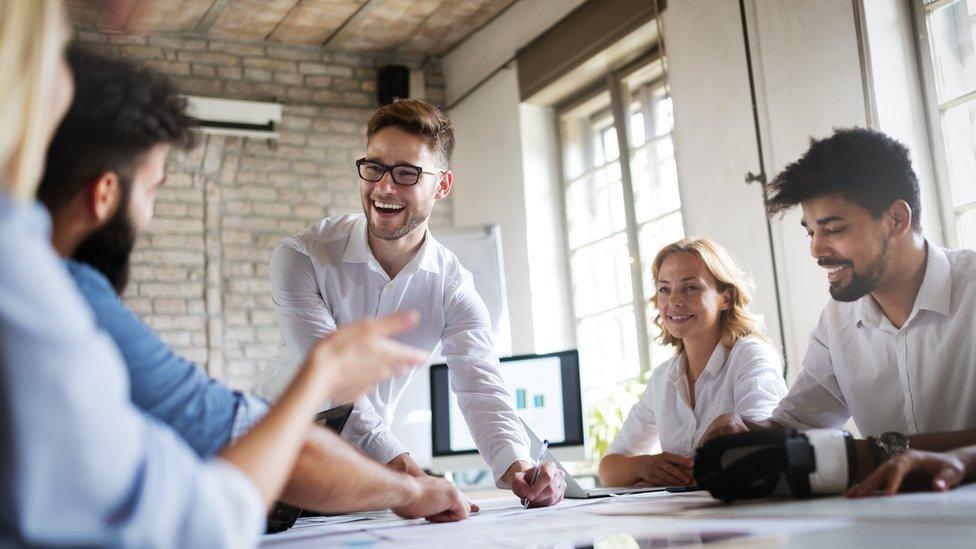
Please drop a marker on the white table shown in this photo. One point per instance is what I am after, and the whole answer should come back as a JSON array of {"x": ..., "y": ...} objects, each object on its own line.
[{"x": 914, "y": 520}]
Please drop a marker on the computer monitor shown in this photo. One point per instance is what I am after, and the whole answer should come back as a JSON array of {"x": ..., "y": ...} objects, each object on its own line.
[{"x": 545, "y": 392}]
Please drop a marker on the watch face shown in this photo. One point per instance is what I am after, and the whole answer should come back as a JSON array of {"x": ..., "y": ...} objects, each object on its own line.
[{"x": 894, "y": 443}]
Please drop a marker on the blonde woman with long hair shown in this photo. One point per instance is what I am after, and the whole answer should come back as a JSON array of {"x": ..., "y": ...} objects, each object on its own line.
[
  {"x": 723, "y": 362},
  {"x": 79, "y": 464}
]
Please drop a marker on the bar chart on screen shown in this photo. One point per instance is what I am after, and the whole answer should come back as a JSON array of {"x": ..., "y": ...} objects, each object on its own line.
[{"x": 535, "y": 387}]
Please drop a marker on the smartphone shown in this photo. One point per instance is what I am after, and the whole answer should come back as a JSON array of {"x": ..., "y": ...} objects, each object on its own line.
[{"x": 283, "y": 516}]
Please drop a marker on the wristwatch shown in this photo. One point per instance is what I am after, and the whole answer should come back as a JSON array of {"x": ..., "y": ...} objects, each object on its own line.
[{"x": 893, "y": 443}]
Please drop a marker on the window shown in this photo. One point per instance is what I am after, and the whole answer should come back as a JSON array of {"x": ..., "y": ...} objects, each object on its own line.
[
  {"x": 622, "y": 205},
  {"x": 950, "y": 38}
]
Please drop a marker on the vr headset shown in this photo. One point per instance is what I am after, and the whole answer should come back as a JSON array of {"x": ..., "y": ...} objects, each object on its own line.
[{"x": 777, "y": 462}]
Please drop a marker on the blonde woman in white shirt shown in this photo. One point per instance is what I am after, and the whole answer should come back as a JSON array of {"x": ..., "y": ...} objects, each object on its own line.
[{"x": 723, "y": 363}]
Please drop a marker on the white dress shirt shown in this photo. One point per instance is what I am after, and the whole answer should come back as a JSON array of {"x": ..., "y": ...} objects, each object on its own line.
[
  {"x": 748, "y": 379},
  {"x": 80, "y": 465},
  {"x": 915, "y": 379},
  {"x": 326, "y": 276}
]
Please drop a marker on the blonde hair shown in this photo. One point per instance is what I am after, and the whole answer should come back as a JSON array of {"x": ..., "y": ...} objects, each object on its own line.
[
  {"x": 31, "y": 41},
  {"x": 737, "y": 322}
]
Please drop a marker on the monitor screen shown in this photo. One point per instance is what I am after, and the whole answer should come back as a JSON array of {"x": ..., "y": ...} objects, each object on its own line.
[{"x": 544, "y": 391}]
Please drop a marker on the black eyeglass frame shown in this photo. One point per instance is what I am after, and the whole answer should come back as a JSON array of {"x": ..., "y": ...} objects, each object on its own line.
[{"x": 389, "y": 169}]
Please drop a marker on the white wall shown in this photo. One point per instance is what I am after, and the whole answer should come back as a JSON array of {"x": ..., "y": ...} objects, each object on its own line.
[
  {"x": 715, "y": 142},
  {"x": 496, "y": 43},
  {"x": 552, "y": 311},
  {"x": 488, "y": 187}
]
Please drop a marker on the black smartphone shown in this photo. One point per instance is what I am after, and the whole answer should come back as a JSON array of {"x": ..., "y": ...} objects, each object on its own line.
[
  {"x": 283, "y": 516},
  {"x": 334, "y": 418}
]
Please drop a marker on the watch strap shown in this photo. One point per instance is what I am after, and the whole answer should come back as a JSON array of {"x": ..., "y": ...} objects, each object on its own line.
[{"x": 878, "y": 454}]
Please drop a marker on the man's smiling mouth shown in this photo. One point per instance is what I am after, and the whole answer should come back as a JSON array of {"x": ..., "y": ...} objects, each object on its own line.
[{"x": 387, "y": 208}]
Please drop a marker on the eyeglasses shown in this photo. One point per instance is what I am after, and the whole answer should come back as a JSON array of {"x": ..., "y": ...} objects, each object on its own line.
[{"x": 402, "y": 174}]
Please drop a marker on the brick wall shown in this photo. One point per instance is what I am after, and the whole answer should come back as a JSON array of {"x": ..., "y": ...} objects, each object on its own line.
[{"x": 200, "y": 273}]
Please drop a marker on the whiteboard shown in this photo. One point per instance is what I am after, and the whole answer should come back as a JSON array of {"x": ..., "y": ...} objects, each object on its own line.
[{"x": 480, "y": 251}]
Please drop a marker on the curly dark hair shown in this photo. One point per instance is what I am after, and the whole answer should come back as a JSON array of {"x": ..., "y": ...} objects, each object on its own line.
[
  {"x": 864, "y": 166},
  {"x": 120, "y": 111}
]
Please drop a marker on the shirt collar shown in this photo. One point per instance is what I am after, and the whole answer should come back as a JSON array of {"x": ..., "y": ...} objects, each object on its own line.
[
  {"x": 712, "y": 367},
  {"x": 936, "y": 291},
  {"x": 933, "y": 295},
  {"x": 357, "y": 250}
]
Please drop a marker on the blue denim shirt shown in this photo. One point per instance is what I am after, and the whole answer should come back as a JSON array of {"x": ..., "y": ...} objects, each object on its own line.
[
  {"x": 79, "y": 463},
  {"x": 205, "y": 412}
]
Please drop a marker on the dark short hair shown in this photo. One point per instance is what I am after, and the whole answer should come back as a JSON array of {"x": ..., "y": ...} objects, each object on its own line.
[
  {"x": 120, "y": 111},
  {"x": 419, "y": 118},
  {"x": 863, "y": 166}
]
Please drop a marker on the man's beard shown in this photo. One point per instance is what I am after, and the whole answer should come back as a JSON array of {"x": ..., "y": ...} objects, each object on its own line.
[
  {"x": 862, "y": 285},
  {"x": 109, "y": 248},
  {"x": 414, "y": 219}
]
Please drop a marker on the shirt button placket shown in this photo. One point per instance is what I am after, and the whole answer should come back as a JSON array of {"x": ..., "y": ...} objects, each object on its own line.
[
  {"x": 901, "y": 355},
  {"x": 386, "y": 297}
]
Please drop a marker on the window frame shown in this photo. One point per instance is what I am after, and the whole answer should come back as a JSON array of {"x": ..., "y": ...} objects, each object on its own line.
[
  {"x": 615, "y": 85},
  {"x": 949, "y": 213}
]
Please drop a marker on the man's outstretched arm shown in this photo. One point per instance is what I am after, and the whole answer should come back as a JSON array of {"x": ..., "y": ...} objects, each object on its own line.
[{"x": 333, "y": 477}]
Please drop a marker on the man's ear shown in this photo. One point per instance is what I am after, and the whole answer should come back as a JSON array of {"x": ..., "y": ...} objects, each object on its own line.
[
  {"x": 104, "y": 196},
  {"x": 900, "y": 216},
  {"x": 444, "y": 185}
]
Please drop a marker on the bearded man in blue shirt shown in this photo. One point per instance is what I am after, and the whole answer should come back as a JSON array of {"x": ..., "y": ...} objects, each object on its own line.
[{"x": 103, "y": 169}]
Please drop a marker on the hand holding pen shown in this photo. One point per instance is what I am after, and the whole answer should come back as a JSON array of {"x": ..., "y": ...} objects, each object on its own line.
[
  {"x": 535, "y": 471},
  {"x": 542, "y": 485}
]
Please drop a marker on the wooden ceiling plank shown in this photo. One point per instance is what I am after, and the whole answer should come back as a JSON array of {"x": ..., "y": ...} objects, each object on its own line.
[
  {"x": 209, "y": 18},
  {"x": 454, "y": 21},
  {"x": 391, "y": 23},
  {"x": 312, "y": 22},
  {"x": 249, "y": 19},
  {"x": 167, "y": 15},
  {"x": 360, "y": 15}
]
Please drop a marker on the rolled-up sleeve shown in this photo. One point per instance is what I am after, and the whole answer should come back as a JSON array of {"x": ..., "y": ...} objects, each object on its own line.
[
  {"x": 815, "y": 401},
  {"x": 468, "y": 349},
  {"x": 249, "y": 412}
]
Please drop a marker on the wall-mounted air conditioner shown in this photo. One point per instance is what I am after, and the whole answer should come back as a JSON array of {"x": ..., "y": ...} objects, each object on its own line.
[{"x": 234, "y": 117}]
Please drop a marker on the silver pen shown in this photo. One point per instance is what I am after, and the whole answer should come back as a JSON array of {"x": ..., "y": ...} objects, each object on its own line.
[{"x": 535, "y": 472}]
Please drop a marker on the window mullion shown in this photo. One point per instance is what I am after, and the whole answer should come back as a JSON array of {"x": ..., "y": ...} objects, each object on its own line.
[
  {"x": 933, "y": 124},
  {"x": 619, "y": 104}
]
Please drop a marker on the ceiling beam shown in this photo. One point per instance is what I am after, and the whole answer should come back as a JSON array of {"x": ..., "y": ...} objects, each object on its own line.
[
  {"x": 291, "y": 10},
  {"x": 361, "y": 14},
  {"x": 209, "y": 18}
]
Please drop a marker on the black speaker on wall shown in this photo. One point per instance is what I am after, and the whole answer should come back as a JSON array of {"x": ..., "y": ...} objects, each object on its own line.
[{"x": 394, "y": 83}]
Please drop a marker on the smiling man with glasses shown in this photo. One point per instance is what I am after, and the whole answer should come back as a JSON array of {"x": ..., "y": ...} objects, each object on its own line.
[{"x": 349, "y": 267}]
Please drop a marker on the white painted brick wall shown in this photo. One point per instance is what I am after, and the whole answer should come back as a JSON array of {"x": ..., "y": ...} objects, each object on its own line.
[{"x": 200, "y": 273}]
